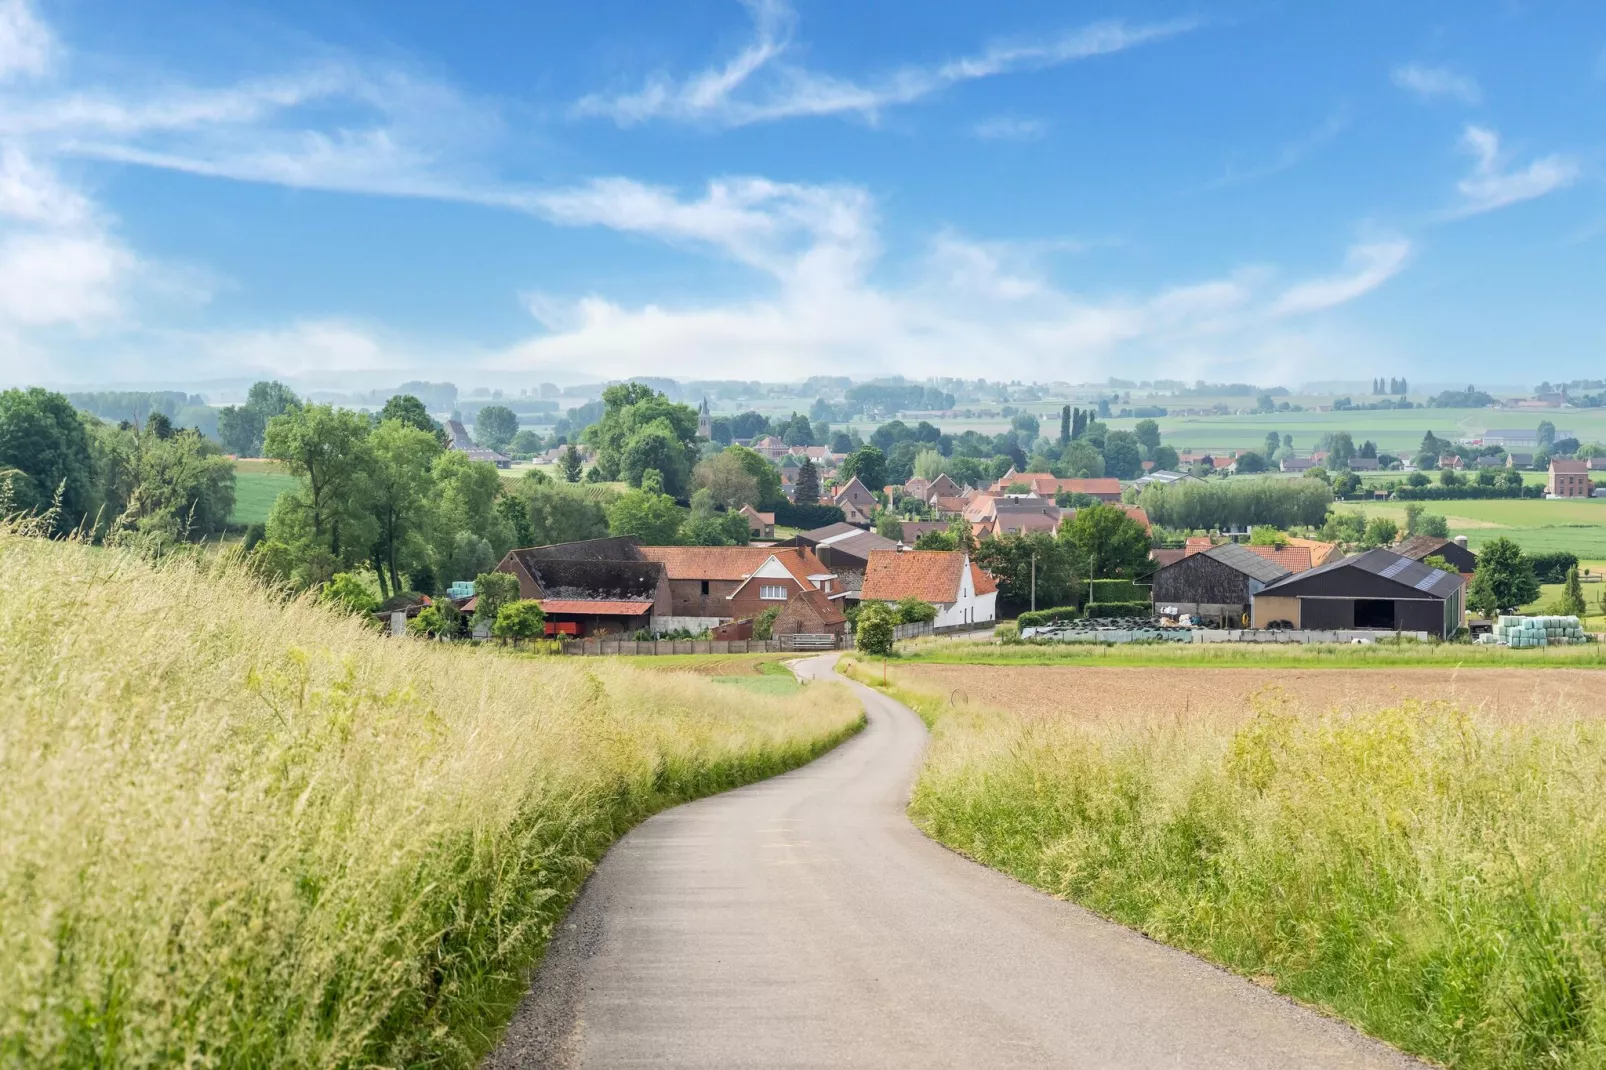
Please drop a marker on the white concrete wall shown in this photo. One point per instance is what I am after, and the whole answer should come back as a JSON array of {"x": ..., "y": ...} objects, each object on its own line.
[{"x": 690, "y": 624}]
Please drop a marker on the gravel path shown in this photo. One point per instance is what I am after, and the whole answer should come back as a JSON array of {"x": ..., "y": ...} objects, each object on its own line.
[{"x": 804, "y": 922}]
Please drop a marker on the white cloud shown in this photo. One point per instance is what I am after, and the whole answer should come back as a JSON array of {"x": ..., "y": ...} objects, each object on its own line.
[
  {"x": 1368, "y": 267},
  {"x": 1433, "y": 83},
  {"x": 26, "y": 45},
  {"x": 1009, "y": 128},
  {"x": 783, "y": 90},
  {"x": 1491, "y": 185},
  {"x": 1287, "y": 158}
]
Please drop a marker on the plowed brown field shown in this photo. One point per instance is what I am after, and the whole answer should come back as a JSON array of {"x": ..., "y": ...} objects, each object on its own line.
[{"x": 1099, "y": 693}]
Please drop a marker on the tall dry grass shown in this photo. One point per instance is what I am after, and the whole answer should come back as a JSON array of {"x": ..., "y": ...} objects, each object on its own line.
[
  {"x": 237, "y": 832},
  {"x": 1437, "y": 878}
]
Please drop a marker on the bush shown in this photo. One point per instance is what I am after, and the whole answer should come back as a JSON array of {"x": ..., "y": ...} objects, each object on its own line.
[
  {"x": 523, "y": 619},
  {"x": 1116, "y": 591},
  {"x": 1120, "y": 609},
  {"x": 1551, "y": 566},
  {"x": 764, "y": 623},
  {"x": 1040, "y": 617},
  {"x": 807, "y": 517},
  {"x": 914, "y": 611},
  {"x": 1464, "y": 492},
  {"x": 349, "y": 593},
  {"x": 873, "y": 635}
]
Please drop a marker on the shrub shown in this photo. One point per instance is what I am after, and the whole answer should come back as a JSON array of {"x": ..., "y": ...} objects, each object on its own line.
[
  {"x": 764, "y": 623},
  {"x": 914, "y": 611},
  {"x": 807, "y": 517},
  {"x": 492, "y": 591},
  {"x": 1551, "y": 566},
  {"x": 523, "y": 619},
  {"x": 1040, "y": 617},
  {"x": 1120, "y": 609},
  {"x": 873, "y": 635},
  {"x": 349, "y": 593},
  {"x": 1464, "y": 492}
]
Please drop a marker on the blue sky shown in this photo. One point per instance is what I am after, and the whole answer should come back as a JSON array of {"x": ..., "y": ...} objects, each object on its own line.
[{"x": 344, "y": 191}]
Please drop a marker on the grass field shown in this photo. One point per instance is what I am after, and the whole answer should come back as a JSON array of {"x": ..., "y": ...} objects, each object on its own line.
[
  {"x": 245, "y": 832},
  {"x": 1230, "y": 655},
  {"x": 1536, "y": 525},
  {"x": 257, "y": 485},
  {"x": 1430, "y": 874}
]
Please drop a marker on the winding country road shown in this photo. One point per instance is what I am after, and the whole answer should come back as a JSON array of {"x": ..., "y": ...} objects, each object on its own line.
[{"x": 804, "y": 922}]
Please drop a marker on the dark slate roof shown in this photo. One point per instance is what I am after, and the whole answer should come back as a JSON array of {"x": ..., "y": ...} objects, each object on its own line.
[
  {"x": 618, "y": 548},
  {"x": 1421, "y": 547},
  {"x": 1382, "y": 563},
  {"x": 597, "y": 580},
  {"x": 1250, "y": 564},
  {"x": 839, "y": 528}
]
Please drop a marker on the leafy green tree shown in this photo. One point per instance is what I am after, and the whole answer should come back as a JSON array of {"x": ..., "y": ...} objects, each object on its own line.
[
  {"x": 492, "y": 591},
  {"x": 1435, "y": 525},
  {"x": 571, "y": 463},
  {"x": 524, "y": 619},
  {"x": 628, "y": 409},
  {"x": 1266, "y": 535},
  {"x": 401, "y": 488},
  {"x": 561, "y": 512},
  {"x": 1273, "y": 442},
  {"x": 1503, "y": 580},
  {"x": 1341, "y": 450},
  {"x": 495, "y": 426},
  {"x": 727, "y": 480},
  {"x": 656, "y": 448},
  {"x": 1413, "y": 518},
  {"x": 1008, "y": 558},
  {"x": 807, "y": 487},
  {"x": 1122, "y": 458},
  {"x": 465, "y": 495},
  {"x": 1147, "y": 433},
  {"x": 1572, "y": 594},
  {"x": 468, "y": 555},
  {"x": 654, "y": 519},
  {"x": 1380, "y": 531},
  {"x": 708, "y": 526},
  {"x": 1437, "y": 561},
  {"x": 328, "y": 449},
  {"x": 45, "y": 451},
  {"x": 1065, "y": 426},
  {"x": 517, "y": 516},
  {"x": 242, "y": 429},
  {"x": 1107, "y": 543},
  {"x": 526, "y": 443},
  {"x": 868, "y": 464},
  {"x": 872, "y": 634},
  {"x": 928, "y": 464},
  {"x": 1248, "y": 464},
  {"x": 408, "y": 410},
  {"x": 889, "y": 526},
  {"x": 1346, "y": 483},
  {"x": 429, "y": 622},
  {"x": 348, "y": 593},
  {"x": 1080, "y": 460},
  {"x": 936, "y": 540}
]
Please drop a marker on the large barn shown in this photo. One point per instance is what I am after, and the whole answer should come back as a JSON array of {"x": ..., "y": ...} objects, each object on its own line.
[
  {"x": 1216, "y": 585},
  {"x": 1454, "y": 551},
  {"x": 1379, "y": 589}
]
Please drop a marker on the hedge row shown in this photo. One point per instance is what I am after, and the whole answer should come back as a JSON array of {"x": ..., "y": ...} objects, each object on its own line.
[
  {"x": 1437, "y": 492},
  {"x": 1120, "y": 609},
  {"x": 1116, "y": 591},
  {"x": 1551, "y": 566},
  {"x": 1040, "y": 617}
]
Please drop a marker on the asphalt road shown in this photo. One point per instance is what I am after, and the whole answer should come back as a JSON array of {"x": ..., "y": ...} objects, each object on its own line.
[{"x": 804, "y": 922}]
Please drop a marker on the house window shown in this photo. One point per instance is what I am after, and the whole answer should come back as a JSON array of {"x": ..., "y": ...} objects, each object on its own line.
[
  {"x": 772, "y": 594},
  {"x": 705, "y": 586}
]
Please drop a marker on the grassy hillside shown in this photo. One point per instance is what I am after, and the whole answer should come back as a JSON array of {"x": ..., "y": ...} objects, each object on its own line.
[
  {"x": 1430, "y": 875},
  {"x": 239, "y": 832}
]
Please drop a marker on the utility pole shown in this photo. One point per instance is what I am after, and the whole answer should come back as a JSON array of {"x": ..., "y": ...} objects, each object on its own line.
[{"x": 1034, "y": 583}]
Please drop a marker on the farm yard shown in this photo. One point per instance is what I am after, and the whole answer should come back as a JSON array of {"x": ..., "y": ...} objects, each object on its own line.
[{"x": 1410, "y": 849}]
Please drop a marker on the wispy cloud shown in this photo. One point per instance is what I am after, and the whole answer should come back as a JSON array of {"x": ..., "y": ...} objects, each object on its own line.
[
  {"x": 1434, "y": 83},
  {"x": 26, "y": 44},
  {"x": 1366, "y": 268},
  {"x": 1288, "y": 157},
  {"x": 1493, "y": 185},
  {"x": 1009, "y": 128},
  {"x": 759, "y": 85}
]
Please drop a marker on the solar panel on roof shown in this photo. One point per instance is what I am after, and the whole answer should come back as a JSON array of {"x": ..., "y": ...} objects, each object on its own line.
[
  {"x": 1426, "y": 583},
  {"x": 1396, "y": 568}
]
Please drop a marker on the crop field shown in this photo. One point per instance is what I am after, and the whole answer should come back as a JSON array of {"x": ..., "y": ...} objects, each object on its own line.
[
  {"x": 257, "y": 485},
  {"x": 1417, "y": 851},
  {"x": 241, "y": 831},
  {"x": 1534, "y": 524}
]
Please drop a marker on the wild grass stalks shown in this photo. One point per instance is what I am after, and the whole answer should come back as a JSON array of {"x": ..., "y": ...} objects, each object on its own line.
[
  {"x": 1434, "y": 877},
  {"x": 237, "y": 831},
  {"x": 1381, "y": 655}
]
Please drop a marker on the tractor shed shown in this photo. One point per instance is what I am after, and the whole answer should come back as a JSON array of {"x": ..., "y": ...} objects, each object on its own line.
[{"x": 1379, "y": 590}]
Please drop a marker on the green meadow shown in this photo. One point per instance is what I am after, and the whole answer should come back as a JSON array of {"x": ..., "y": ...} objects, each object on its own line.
[
  {"x": 257, "y": 485},
  {"x": 1536, "y": 525}
]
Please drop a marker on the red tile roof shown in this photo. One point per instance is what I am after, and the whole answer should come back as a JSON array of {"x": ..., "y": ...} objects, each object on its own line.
[
  {"x": 594, "y": 608},
  {"x": 1198, "y": 544},
  {"x": 982, "y": 580},
  {"x": 929, "y": 575},
  {"x": 1293, "y": 558},
  {"x": 733, "y": 562}
]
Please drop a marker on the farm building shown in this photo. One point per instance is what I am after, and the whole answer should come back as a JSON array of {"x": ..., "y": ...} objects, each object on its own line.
[
  {"x": 597, "y": 587},
  {"x": 856, "y": 502},
  {"x": 810, "y": 613},
  {"x": 961, "y": 591},
  {"x": 1568, "y": 479},
  {"x": 845, "y": 550},
  {"x": 1378, "y": 589},
  {"x": 1218, "y": 584},
  {"x": 1454, "y": 551},
  {"x": 712, "y": 584}
]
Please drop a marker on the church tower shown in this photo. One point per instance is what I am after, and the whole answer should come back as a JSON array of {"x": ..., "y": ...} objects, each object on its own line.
[{"x": 705, "y": 420}]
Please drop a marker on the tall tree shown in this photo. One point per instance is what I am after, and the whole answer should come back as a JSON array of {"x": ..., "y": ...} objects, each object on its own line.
[
  {"x": 1106, "y": 542},
  {"x": 495, "y": 426},
  {"x": 571, "y": 464},
  {"x": 807, "y": 490},
  {"x": 45, "y": 451},
  {"x": 868, "y": 465},
  {"x": 1065, "y": 426},
  {"x": 328, "y": 449},
  {"x": 401, "y": 492},
  {"x": 1504, "y": 579},
  {"x": 406, "y": 409},
  {"x": 1148, "y": 435}
]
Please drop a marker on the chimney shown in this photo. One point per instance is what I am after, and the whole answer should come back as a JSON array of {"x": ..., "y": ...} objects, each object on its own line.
[{"x": 1461, "y": 541}]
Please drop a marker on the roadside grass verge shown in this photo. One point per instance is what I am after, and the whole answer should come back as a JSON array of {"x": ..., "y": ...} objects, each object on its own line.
[
  {"x": 244, "y": 832},
  {"x": 1380, "y": 655},
  {"x": 1431, "y": 876}
]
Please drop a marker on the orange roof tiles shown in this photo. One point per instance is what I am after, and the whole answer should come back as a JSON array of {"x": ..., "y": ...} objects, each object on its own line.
[
  {"x": 596, "y": 608},
  {"x": 1293, "y": 558},
  {"x": 929, "y": 575},
  {"x": 982, "y": 580},
  {"x": 733, "y": 562},
  {"x": 1197, "y": 544}
]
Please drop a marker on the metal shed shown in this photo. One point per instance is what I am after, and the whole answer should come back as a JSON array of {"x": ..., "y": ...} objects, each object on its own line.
[
  {"x": 1218, "y": 584},
  {"x": 1379, "y": 589}
]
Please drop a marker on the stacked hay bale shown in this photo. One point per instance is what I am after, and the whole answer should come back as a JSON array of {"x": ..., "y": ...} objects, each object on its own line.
[{"x": 1523, "y": 632}]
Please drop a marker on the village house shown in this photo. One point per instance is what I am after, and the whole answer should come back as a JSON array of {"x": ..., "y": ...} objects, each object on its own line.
[
  {"x": 961, "y": 591},
  {"x": 810, "y": 613},
  {"x": 1568, "y": 479},
  {"x": 857, "y": 503},
  {"x": 759, "y": 525},
  {"x": 712, "y": 584},
  {"x": 1047, "y": 485},
  {"x": 596, "y": 587},
  {"x": 462, "y": 442},
  {"x": 845, "y": 550},
  {"x": 1216, "y": 584}
]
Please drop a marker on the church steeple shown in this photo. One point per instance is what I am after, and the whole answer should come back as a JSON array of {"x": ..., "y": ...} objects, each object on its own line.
[{"x": 705, "y": 420}]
